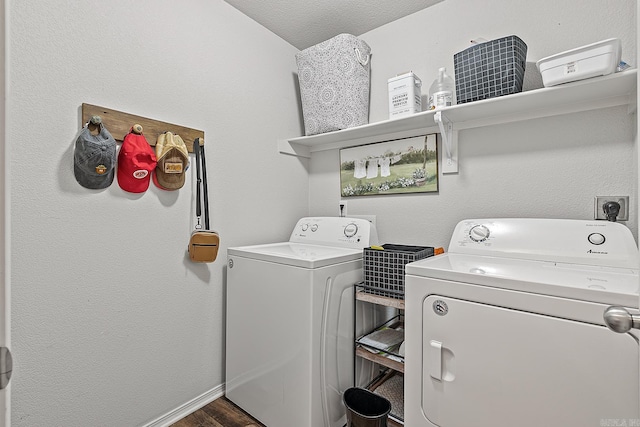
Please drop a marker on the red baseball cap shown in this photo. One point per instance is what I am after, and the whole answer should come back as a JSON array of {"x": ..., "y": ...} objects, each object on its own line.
[{"x": 136, "y": 161}]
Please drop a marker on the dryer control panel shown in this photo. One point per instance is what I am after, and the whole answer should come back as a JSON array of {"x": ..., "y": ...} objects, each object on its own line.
[
  {"x": 335, "y": 231},
  {"x": 601, "y": 243}
]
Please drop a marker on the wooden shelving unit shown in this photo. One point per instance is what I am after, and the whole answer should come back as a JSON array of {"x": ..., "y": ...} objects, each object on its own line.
[
  {"x": 379, "y": 359},
  {"x": 393, "y": 362},
  {"x": 380, "y": 300}
]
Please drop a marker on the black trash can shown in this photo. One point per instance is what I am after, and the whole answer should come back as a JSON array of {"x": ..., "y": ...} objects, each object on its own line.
[{"x": 365, "y": 409}]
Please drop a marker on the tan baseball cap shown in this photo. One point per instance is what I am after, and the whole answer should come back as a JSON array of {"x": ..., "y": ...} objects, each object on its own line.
[{"x": 173, "y": 160}]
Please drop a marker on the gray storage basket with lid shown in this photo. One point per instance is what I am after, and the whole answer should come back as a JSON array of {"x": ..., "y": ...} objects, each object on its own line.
[{"x": 334, "y": 84}]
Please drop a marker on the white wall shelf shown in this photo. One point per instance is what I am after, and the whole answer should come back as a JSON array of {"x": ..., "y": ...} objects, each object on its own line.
[{"x": 591, "y": 94}]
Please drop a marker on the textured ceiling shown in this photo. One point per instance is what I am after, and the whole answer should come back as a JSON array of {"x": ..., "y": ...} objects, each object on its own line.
[{"x": 304, "y": 23}]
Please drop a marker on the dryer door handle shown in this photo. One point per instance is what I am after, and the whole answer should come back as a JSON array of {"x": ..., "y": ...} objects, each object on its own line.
[
  {"x": 618, "y": 319},
  {"x": 435, "y": 356}
]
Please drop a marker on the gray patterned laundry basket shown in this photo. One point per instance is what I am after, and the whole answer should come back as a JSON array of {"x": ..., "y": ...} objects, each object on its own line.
[{"x": 334, "y": 84}]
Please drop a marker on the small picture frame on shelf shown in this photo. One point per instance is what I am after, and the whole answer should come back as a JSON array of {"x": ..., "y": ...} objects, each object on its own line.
[{"x": 402, "y": 166}]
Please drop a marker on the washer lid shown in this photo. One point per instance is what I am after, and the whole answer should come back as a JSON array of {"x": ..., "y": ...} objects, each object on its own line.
[
  {"x": 600, "y": 284},
  {"x": 297, "y": 254}
]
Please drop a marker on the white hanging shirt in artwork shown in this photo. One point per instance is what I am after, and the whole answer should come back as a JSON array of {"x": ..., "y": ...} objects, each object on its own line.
[
  {"x": 385, "y": 163},
  {"x": 360, "y": 168},
  {"x": 372, "y": 169}
]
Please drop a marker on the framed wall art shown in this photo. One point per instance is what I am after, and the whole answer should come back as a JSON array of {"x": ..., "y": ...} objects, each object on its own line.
[{"x": 401, "y": 166}]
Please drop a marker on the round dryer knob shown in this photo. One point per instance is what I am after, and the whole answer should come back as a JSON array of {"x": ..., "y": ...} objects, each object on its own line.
[
  {"x": 479, "y": 233},
  {"x": 350, "y": 230},
  {"x": 596, "y": 238},
  {"x": 618, "y": 319}
]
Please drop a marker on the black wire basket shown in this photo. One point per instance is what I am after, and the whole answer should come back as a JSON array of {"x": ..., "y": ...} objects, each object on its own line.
[
  {"x": 490, "y": 69},
  {"x": 384, "y": 269}
]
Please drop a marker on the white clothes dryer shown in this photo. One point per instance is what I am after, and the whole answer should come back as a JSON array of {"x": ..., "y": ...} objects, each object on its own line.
[
  {"x": 506, "y": 328},
  {"x": 290, "y": 322}
]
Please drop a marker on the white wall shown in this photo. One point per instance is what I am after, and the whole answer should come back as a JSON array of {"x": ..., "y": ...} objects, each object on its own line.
[
  {"x": 111, "y": 324},
  {"x": 549, "y": 167},
  {"x": 5, "y": 299}
]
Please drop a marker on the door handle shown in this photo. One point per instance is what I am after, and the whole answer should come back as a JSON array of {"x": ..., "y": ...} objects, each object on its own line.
[
  {"x": 618, "y": 319},
  {"x": 435, "y": 364}
]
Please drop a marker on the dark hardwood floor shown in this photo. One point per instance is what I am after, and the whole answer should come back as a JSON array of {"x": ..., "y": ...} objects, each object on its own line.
[
  {"x": 219, "y": 413},
  {"x": 223, "y": 413}
]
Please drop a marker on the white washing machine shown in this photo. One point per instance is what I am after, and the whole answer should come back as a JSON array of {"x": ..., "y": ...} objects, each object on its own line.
[
  {"x": 290, "y": 314},
  {"x": 506, "y": 328}
]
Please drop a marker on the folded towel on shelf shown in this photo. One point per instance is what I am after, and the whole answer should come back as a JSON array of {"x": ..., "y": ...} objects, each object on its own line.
[{"x": 386, "y": 339}]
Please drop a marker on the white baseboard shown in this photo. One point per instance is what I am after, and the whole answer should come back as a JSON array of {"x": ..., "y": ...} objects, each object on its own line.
[{"x": 189, "y": 407}]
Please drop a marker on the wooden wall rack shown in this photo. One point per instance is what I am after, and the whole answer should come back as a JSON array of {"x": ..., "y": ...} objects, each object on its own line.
[{"x": 119, "y": 124}]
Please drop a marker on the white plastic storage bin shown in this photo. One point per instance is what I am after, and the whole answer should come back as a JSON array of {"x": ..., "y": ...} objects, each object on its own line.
[
  {"x": 405, "y": 95},
  {"x": 596, "y": 59},
  {"x": 334, "y": 84}
]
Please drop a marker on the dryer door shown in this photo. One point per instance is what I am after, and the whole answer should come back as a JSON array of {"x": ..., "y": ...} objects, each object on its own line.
[{"x": 490, "y": 366}]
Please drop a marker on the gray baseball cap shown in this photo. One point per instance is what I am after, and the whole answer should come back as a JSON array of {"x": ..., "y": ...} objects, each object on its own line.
[{"x": 94, "y": 158}]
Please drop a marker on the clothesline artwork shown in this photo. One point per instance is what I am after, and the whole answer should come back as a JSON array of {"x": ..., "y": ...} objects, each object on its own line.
[{"x": 407, "y": 165}]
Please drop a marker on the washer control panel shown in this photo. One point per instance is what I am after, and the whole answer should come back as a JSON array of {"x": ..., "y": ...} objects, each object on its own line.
[
  {"x": 601, "y": 243},
  {"x": 335, "y": 231}
]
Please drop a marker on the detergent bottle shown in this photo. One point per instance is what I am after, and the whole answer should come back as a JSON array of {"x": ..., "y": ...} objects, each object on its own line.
[{"x": 441, "y": 91}]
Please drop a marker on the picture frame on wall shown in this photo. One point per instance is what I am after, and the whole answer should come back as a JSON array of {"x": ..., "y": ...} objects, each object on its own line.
[{"x": 401, "y": 166}]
